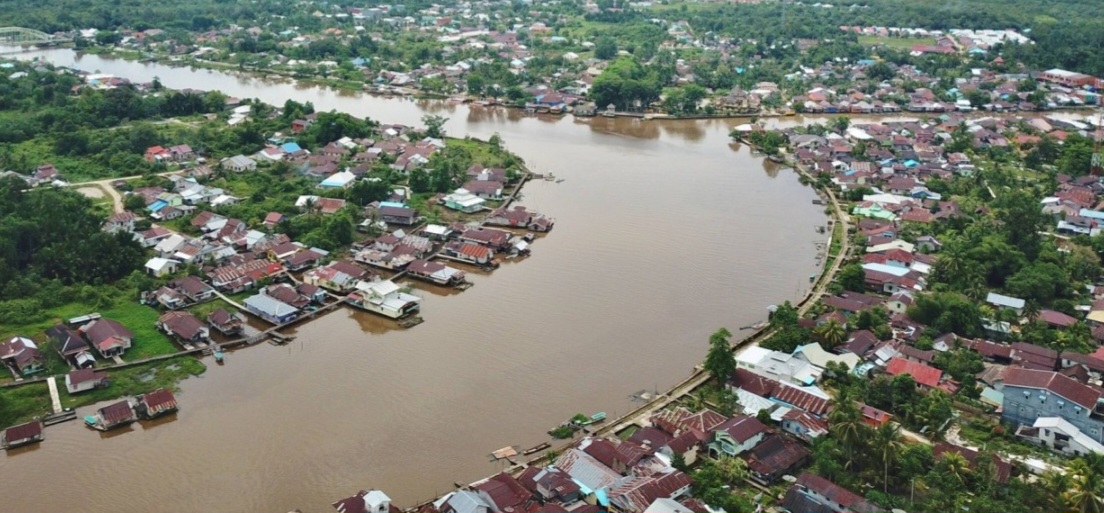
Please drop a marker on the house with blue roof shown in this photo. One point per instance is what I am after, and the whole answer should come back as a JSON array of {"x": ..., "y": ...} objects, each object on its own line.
[{"x": 290, "y": 147}]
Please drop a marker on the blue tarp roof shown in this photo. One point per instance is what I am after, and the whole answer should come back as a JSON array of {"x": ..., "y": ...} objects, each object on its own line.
[
  {"x": 392, "y": 204},
  {"x": 911, "y": 163},
  {"x": 157, "y": 205},
  {"x": 290, "y": 147},
  {"x": 601, "y": 496}
]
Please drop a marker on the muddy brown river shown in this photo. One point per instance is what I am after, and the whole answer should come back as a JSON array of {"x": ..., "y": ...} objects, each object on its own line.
[{"x": 665, "y": 231}]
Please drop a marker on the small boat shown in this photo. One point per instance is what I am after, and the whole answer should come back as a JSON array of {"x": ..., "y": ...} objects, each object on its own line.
[
  {"x": 586, "y": 421},
  {"x": 536, "y": 449},
  {"x": 550, "y": 177}
]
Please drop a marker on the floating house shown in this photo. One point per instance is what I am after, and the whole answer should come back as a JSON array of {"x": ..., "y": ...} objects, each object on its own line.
[
  {"x": 224, "y": 322},
  {"x": 271, "y": 309},
  {"x": 469, "y": 253},
  {"x": 23, "y": 434},
  {"x": 435, "y": 272},
  {"x": 112, "y": 416},
  {"x": 385, "y": 298},
  {"x": 155, "y": 404}
]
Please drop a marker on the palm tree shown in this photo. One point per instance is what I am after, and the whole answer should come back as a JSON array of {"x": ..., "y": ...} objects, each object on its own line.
[
  {"x": 951, "y": 261},
  {"x": 1056, "y": 484},
  {"x": 887, "y": 446},
  {"x": 954, "y": 466},
  {"x": 832, "y": 333},
  {"x": 1086, "y": 494},
  {"x": 846, "y": 425}
]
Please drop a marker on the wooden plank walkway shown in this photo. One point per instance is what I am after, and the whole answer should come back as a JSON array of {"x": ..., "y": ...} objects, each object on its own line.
[
  {"x": 226, "y": 298},
  {"x": 55, "y": 399}
]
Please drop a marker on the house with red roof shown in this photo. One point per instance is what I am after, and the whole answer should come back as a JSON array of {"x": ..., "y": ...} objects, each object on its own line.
[
  {"x": 1003, "y": 468},
  {"x": 803, "y": 425},
  {"x": 1056, "y": 319},
  {"x": 736, "y": 436},
  {"x": 108, "y": 337},
  {"x": 925, "y": 377},
  {"x": 505, "y": 492},
  {"x": 373, "y": 501},
  {"x": 774, "y": 457},
  {"x": 814, "y": 494}
]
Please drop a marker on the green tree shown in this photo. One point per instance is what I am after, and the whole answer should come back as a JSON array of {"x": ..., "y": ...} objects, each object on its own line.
[
  {"x": 719, "y": 360},
  {"x": 434, "y": 125},
  {"x": 846, "y": 425},
  {"x": 134, "y": 203},
  {"x": 887, "y": 445},
  {"x": 605, "y": 48},
  {"x": 784, "y": 316},
  {"x": 852, "y": 277},
  {"x": 831, "y": 333},
  {"x": 1087, "y": 492}
]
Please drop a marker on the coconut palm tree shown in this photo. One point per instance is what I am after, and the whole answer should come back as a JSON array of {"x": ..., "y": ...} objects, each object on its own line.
[
  {"x": 955, "y": 467},
  {"x": 1086, "y": 494},
  {"x": 832, "y": 333},
  {"x": 951, "y": 261},
  {"x": 1056, "y": 484},
  {"x": 887, "y": 446},
  {"x": 846, "y": 425}
]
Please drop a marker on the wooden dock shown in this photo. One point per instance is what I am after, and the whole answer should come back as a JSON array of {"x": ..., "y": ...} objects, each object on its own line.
[{"x": 55, "y": 399}]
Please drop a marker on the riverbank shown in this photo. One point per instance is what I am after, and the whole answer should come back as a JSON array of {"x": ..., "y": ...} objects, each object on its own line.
[
  {"x": 701, "y": 377},
  {"x": 417, "y": 93},
  {"x": 575, "y": 326}
]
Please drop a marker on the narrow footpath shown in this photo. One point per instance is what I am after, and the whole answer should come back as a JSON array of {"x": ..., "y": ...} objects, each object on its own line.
[{"x": 55, "y": 399}]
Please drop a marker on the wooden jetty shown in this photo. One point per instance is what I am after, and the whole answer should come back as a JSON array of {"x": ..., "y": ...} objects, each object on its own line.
[{"x": 58, "y": 418}]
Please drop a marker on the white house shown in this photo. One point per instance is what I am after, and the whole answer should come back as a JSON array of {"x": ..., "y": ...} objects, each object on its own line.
[
  {"x": 1001, "y": 301},
  {"x": 159, "y": 267},
  {"x": 339, "y": 180},
  {"x": 1061, "y": 436},
  {"x": 239, "y": 163},
  {"x": 464, "y": 201}
]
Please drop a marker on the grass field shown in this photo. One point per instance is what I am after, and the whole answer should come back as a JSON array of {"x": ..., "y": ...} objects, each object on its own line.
[
  {"x": 138, "y": 318},
  {"x": 901, "y": 43},
  {"x": 22, "y": 403},
  {"x": 137, "y": 380}
]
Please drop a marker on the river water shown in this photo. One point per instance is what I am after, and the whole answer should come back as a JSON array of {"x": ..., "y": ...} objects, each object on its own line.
[{"x": 665, "y": 232}]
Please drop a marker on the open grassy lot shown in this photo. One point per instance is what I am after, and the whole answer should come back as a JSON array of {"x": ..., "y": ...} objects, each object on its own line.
[
  {"x": 900, "y": 43},
  {"x": 22, "y": 403}
]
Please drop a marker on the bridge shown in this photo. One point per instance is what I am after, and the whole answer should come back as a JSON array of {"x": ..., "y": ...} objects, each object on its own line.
[{"x": 26, "y": 36}]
